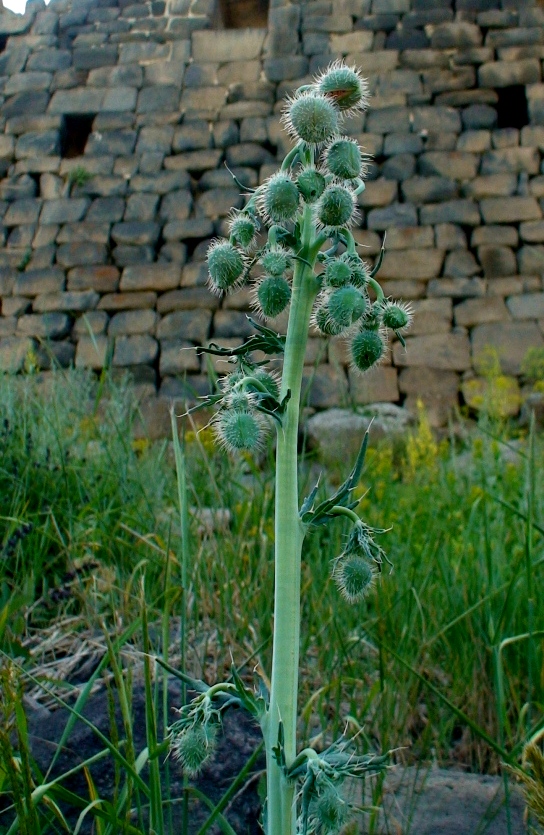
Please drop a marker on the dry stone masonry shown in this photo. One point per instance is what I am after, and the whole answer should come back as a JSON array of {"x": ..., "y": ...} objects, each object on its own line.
[{"x": 119, "y": 117}]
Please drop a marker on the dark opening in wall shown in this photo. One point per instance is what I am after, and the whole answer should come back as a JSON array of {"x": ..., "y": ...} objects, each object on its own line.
[
  {"x": 239, "y": 14},
  {"x": 512, "y": 109},
  {"x": 76, "y": 129},
  {"x": 3, "y": 42}
]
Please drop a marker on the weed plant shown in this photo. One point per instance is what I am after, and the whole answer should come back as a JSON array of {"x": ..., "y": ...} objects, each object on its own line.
[{"x": 439, "y": 667}]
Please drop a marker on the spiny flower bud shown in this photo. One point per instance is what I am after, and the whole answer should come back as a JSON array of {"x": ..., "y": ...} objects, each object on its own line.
[
  {"x": 194, "y": 746},
  {"x": 280, "y": 201},
  {"x": 346, "y": 305},
  {"x": 354, "y": 577},
  {"x": 325, "y": 323},
  {"x": 311, "y": 184},
  {"x": 359, "y": 270},
  {"x": 239, "y": 400},
  {"x": 274, "y": 294},
  {"x": 367, "y": 349},
  {"x": 276, "y": 260},
  {"x": 344, "y": 86},
  {"x": 336, "y": 207},
  {"x": 311, "y": 117},
  {"x": 242, "y": 228},
  {"x": 268, "y": 380},
  {"x": 343, "y": 158},
  {"x": 396, "y": 316},
  {"x": 337, "y": 272},
  {"x": 239, "y": 430},
  {"x": 225, "y": 265}
]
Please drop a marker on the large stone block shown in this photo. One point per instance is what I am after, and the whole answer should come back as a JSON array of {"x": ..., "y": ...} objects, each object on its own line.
[
  {"x": 189, "y": 325},
  {"x": 35, "y": 143},
  {"x": 429, "y": 189},
  {"x": 511, "y": 341},
  {"x": 531, "y": 260},
  {"x": 397, "y": 214},
  {"x": 130, "y": 322},
  {"x": 492, "y": 185},
  {"x": 359, "y": 41},
  {"x": 509, "y": 73},
  {"x": 47, "y": 325},
  {"x": 13, "y": 353},
  {"x": 460, "y": 35},
  {"x": 150, "y": 277},
  {"x": 81, "y": 254},
  {"x": 412, "y": 263},
  {"x": 379, "y": 385},
  {"x": 64, "y": 210},
  {"x": 136, "y": 233},
  {"x": 68, "y": 302},
  {"x": 127, "y": 301},
  {"x": 77, "y": 100},
  {"x": 92, "y": 352},
  {"x": 178, "y": 357},
  {"x": 410, "y": 237},
  {"x": 511, "y": 160},
  {"x": 527, "y": 306},
  {"x": 457, "y": 165},
  {"x": 158, "y": 98},
  {"x": 513, "y": 210},
  {"x": 478, "y": 311},
  {"x": 27, "y": 81},
  {"x": 176, "y": 205},
  {"x": 161, "y": 183},
  {"x": 431, "y": 316},
  {"x": 497, "y": 260},
  {"x": 115, "y": 142},
  {"x": 450, "y": 352},
  {"x": 140, "y": 349},
  {"x": 34, "y": 282},
  {"x": 456, "y": 288},
  {"x": 223, "y": 45},
  {"x": 24, "y": 103},
  {"x": 460, "y": 263},
  {"x": 103, "y": 279},
  {"x": 464, "y": 212},
  {"x": 23, "y": 211}
]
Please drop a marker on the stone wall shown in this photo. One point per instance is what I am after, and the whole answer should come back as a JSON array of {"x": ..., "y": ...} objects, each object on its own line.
[{"x": 117, "y": 118}]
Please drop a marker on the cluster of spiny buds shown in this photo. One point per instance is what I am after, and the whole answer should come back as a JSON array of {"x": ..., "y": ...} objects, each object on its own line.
[
  {"x": 356, "y": 568},
  {"x": 318, "y": 184},
  {"x": 193, "y": 737},
  {"x": 241, "y": 422}
]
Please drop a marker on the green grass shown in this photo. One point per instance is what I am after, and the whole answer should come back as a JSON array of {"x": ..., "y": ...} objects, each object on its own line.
[{"x": 443, "y": 661}]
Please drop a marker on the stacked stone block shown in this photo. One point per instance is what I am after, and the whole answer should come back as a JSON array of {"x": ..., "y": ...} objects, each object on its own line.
[{"x": 118, "y": 121}]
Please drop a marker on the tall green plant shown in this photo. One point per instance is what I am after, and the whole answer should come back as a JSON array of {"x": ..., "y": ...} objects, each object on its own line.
[{"x": 310, "y": 203}]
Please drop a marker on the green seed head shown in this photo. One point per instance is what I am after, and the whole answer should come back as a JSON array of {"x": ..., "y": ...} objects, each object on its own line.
[
  {"x": 243, "y": 228},
  {"x": 276, "y": 261},
  {"x": 194, "y": 746},
  {"x": 336, "y": 207},
  {"x": 396, "y": 316},
  {"x": 273, "y": 294},
  {"x": 239, "y": 400},
  {"x": 344, "y": 86},
  {"x": 354, "y": 577},
  {"x": 346, "y": 305},
  {"x": 367, "y": 349},
  {"x": 268, "y": 380},
  {"x": 225, "y": 265},
  {"x": 324, "y": 322},
  {"x": 280, "y": 201},
  {"x": 358, "y": 269},
  {"x": 311, "y": 117},
  {"x": 331, "y": 810},
  {"x": 337, "y": 273},
  {"x": 239, "y": 430},
  {"x": 343, "y": 159},
  {"x": 311, "y": 184}
]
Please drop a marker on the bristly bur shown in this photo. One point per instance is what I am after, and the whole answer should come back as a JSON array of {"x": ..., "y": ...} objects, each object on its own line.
[{"x": 310, "y": 265}]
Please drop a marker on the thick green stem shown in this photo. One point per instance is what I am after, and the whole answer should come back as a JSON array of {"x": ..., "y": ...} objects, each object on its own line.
[{"x": 289, "y": 534}]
